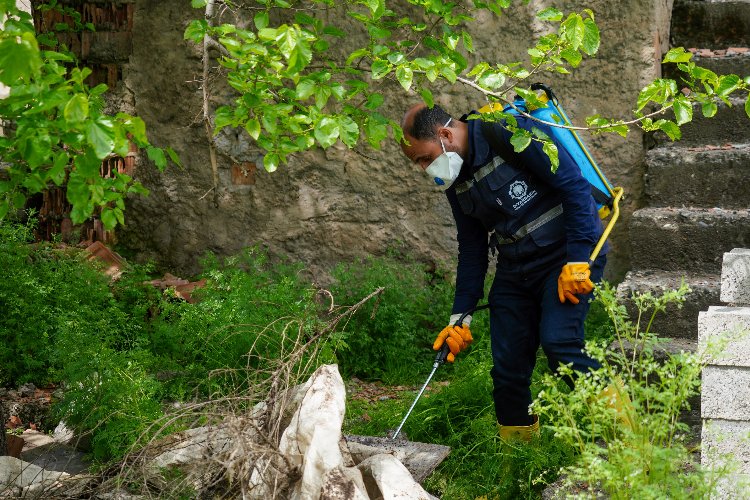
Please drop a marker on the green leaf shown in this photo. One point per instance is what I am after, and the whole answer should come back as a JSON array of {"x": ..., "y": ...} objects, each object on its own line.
[
  {"x": 198, "y": 4},
  {"x": 156, "y": 155},
  {"x": 374, "y": 101},
  {"x": 108, "y": 215},
  {"x": 196, "y": 30},
  {"x": 683, "y": 110},
  {"x": 427, "y": 97},
  {"x": 380, "y": 68},
  {"x": 677, "y": 55},
  {"x": 747, "y": 105},
  {"x": 326, "y": 131},
  {"x": 467, "y": 41},
  {"x": 574, "y": 30},
  {"x": 101, "y": 136},
  {"x": 591, "y": 38},
  {"x": 349, "y": 131},
  {"x": 261, "y": 20},
  {"x": 550, "y": 149},
  {"x": 77, "y": 191},
  {"x": 670, "y": 128},
  {"x": 271, "y": 162},
  {"x": 549, "y": 14},
  {"x": 520, "y": 140},
  {"x": 19, "y": 59},
  {"x": 491, "y": 80},
  {"x": 252, "y": 126},
  {"x": 658, "y": 91},
  {"x": 573, "y": 57},
  {"x": 305, "y": 88},
  {"x": 173, "y": 156},
  {"x": 77, "y": 109},
  {"x": 727, "y": 84},
  {"x": 57, "y": 172},
  {"x": 709, "y": 109},
  {"x": 322, "y": 94},
  {"x": 404, "y": 75}
]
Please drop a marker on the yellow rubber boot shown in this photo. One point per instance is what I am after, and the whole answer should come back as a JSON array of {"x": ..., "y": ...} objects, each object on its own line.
[
  {"x": 519, "y": 432},
  {"x": 617, "y": 398}
]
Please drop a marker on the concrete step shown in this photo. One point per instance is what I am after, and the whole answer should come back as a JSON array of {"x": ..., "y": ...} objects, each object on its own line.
[
  {"x": 730, "y": 61},
  {"x": 693, "y": 239},
  {"x": 730, "y": 125},
  {"x": 711, "y": 24},
  {"x": 679, "y": 176},
  {"x": 679, "y": 324}
]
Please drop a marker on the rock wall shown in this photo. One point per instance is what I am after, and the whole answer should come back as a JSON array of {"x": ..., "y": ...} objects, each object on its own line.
[{"x": 335, "y": 205}]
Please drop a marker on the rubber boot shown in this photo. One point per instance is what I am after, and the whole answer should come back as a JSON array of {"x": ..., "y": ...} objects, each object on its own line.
[
  {"x": 617, "y": 398},
  {"x": 519, "y": 432}
]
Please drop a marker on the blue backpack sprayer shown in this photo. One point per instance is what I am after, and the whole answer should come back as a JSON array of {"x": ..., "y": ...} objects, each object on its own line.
[{"x": 607, "y": 198}]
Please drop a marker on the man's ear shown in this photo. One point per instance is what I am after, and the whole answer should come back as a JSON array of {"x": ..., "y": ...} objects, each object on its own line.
[{"x": 445, "y": 133}]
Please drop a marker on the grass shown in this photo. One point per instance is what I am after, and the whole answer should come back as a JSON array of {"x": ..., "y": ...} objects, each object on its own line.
[{"x": 124, "y": 352}]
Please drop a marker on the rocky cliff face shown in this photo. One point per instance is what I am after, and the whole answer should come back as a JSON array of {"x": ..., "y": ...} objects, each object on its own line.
[{"x": 338, "y": 204}]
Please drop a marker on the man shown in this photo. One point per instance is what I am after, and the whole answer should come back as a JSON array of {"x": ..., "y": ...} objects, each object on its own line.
[{"x": 542, "y": 226}]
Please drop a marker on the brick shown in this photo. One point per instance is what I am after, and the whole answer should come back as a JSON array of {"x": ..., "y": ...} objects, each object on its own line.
[
  {"x": 726, "y": 393},
  {"x": 243, "y": 173},
  {"x": 735, "y": 277},
  {"x": 732, "y": 323}
]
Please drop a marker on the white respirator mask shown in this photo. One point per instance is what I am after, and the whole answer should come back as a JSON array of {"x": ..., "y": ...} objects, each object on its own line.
[{"x": 445, "y": 168}]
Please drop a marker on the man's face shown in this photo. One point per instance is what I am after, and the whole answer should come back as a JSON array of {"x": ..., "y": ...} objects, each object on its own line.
[{"x": 422, "y": 152}]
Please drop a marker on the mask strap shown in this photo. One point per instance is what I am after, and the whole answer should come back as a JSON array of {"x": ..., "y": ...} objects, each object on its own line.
[{"x": 441, "y": 140}]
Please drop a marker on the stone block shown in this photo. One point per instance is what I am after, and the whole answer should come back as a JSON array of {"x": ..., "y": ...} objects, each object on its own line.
[
  {"x": 675, "y": 239},
  {"x": 674, "y": 322},
  {"x": 708, "y": 176},
  {"x": 732, "y": 324},
  {"x": 735, "y": 277},
  {"x": 726, "y": 393}
]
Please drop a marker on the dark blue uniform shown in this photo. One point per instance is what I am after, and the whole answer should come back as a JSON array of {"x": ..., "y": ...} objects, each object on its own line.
[{"x": 536, "y": 221}]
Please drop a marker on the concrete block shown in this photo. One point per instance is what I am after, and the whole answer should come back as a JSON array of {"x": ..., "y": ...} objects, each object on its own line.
[
  {"x": 726, "y": 393},
  {"x": 735, "y": 277},
  {"x": 726, "y": 437},
  {"x": 730, "y": 324}
]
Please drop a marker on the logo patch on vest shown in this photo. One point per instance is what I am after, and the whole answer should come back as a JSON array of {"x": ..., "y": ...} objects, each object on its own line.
[{"x": 519, "y": 190}]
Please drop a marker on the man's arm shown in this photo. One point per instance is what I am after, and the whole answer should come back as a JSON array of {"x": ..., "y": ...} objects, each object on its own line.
[{"x": 472, "y": 258}]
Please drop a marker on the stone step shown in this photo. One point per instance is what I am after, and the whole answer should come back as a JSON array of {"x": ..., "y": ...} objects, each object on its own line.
[
  {"x": 679, "y": 324},
  {"x": 730, "y": 125},
  {"x": 694, "y": 239},
  {"x": 731, "y": 61},
  {"x": 710, "y": 24},
  {"x": 709, "y": 176}
]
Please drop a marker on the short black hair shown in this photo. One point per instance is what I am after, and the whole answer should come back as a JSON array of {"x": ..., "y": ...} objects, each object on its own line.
[{"x": 426, "y": 122}]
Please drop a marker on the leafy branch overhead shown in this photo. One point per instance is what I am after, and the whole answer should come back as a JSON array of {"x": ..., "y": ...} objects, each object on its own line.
[
  {"x": 54, "y": 131},
  {"x": 304, "y": 78}
]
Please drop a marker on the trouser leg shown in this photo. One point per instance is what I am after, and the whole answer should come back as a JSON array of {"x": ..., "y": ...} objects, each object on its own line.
[
  {"x": 513, "y": 320},
  {"x": 561, "y": 326}
]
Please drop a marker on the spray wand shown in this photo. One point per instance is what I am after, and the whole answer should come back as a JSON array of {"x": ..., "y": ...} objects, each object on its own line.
[{"x": 442, "y": 355}]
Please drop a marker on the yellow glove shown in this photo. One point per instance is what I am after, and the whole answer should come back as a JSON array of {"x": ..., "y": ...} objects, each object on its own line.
[
  {"x": 458, "y": 338},
  {"x": 575, "y": 279}
]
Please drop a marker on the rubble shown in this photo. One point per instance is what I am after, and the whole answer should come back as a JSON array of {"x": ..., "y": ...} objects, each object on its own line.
[{"x": 312, "y": 459}]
